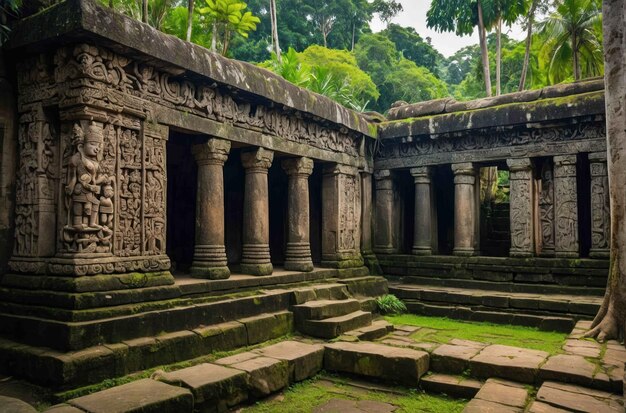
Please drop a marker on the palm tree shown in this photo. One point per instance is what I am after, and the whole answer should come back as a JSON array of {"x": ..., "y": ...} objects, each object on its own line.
[
  {"x": 274, "y": 21},
  {"x": 530, "y": 18},
  {"x": 573, "y": 30}
]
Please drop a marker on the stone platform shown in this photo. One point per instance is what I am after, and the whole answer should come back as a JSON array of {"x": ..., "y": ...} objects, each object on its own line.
[{"x": 205, "y": 316}]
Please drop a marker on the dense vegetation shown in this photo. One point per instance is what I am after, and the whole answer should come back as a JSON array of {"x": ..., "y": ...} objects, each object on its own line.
[{"x": 328, "y": 46}]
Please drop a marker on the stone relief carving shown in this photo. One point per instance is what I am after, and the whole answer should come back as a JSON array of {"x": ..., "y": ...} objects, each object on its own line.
[
  {"x": 521, "y": 205},
  {"x": 600, "y": 207},
  {"x": 89, "y": 193},
  {"x": 420, "y": 146},
  {"x": 348, "y": 216},
  {"x": 566, "y": 205},
  {"x": 128, "y": 83},
  {"x": 546, "y": 209}
]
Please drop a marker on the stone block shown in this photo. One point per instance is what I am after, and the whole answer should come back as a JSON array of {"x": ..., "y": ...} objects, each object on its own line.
[
  {"x": 145, "y": 396},
  {"x": 63, "y": 408},
  {"x": 322, "y": 309},
  {"x": 378, "y": 329},
  {"x": 222, "y": 337},
  {"x": 580, "y": 399},
  {"x": 540, "y": 407},
  {"x": 211, "y": 385},
  {"x": 305, "y": 360},
  {"x": 265, "y": 375},
  {"x": 484, "y": 406},
  {"x": 454, "y": 386},
  {"x": 450, "y": 358},
  {"x": 508, "y": 362},
  {"x": 401, "y": 365},
  {"x": 13, "y": 405},
  {"x": 267, "y": 326},
  {"x": 369, "y": 286},
  {"x": 503, "y": 392},
  {"x": 569, "y": 369},
  {"x": 334, "y": 327}
]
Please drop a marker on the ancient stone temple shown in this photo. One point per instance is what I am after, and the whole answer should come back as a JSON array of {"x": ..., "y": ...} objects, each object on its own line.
[{"x": 166, "y": 199}]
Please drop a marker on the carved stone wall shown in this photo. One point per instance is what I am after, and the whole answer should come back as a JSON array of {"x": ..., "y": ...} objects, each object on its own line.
[
  {"x": 565, "y": 207},
  {"x": 600, "y": 208},
  {"x": 521, "y": 209},
  {"x": 546, "y": 209}
]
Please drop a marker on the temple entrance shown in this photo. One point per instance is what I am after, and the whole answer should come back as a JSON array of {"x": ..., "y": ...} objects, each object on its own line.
[
  {"x": 495, "y": 225},
  {"x": 277, "y": 182},
  {"x": 182, "y": 173},
  {"x": 234, "y": 179},
  {"x": 583, "y": 189},
  {"x": 443, "y": 185},
  {"x": 315, "y": 212},
  {"x": 406, "y": 210}
]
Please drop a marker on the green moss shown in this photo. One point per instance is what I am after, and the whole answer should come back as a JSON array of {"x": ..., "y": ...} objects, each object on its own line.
[
  {"x": 372, "y": 129},
  {"x": 442, "y": 330},
  {"x": 304, "y": 397}
]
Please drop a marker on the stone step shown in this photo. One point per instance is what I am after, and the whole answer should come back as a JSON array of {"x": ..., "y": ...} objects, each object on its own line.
[
  {"x": 562, "y": 323},
  {"x": 399, "y": 365},
  {"x": 335, "y": 326},
  {"x": 378, "y": 329},
  {"x": 540, "y": 303},
  {"x": 322, "y": 309},
  {"x": 495, "y": 285},
  {"x": 568, "y": 397},
  {"x": 499, "y": 396},
  {"x": 454, "y": 386}
]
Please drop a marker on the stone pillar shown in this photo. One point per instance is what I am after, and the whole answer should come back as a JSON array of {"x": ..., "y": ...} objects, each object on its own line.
[
  {"x": 209, "y": 258},
  {"x": 521, "y": 207},
  {"x": 565, "y": 207},
  {"x": 384, "y": 225},
  {"x": 423, "y": 231},
  {"x": 546, "y": 210},
  {"x": 341, "y": 217},
  {"x": 600, "y": 209},
  {"x": 465, "y": 209},
  {"x": 366, "y": 224},
  {"x": 298, "y": 252},
  {"x": 255, "y": 258}
]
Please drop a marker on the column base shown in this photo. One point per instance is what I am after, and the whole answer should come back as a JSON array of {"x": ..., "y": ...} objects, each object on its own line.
[
  {"x": 298, "y": 257},
  {"x": 464, "y": 252},
  {"x": 547, "y": 252},
  {"x": 342, "y": 260},
  {"x": 199, "y": 270},
  {"x": 520, "y": 253},
  {"x": 422, "y": 251},
  {"x": 257, "y": 269},
  {"x": 371, "y": 262},
  {"x": 599, "y": 253},
  {"x": 566, "y": 254},
  {"x": 384, "y": 250}
]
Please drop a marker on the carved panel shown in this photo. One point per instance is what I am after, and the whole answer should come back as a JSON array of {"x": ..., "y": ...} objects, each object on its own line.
[
  {"x": 566, "y": 206},
  {"x": 521, "y": 213},
  {"x": 348, "y": 219},
  {"x": 600, "y": 207},
  {"x": 546, "y": 209}
]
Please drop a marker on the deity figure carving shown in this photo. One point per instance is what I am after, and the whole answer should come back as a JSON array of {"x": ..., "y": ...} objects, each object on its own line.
[{"x": 88, "y": 194}]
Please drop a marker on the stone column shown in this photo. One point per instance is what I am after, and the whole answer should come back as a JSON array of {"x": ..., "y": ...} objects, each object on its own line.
[
  {"x": 521, "y": 207},
  {"x": 565, "y": 207},
  {"x": 209, "y": 258},
  {"x": 255, "y": 258},
  {"x": 341, "y": 217},
  {"x": 366, "y": 213},
  {"x": 384, "y": 225},
  {"x": 600, "y": 209},
  {"x": 465, "y": 209},
  {"x": 423, "y": 234},
  {"x": 298, "y": 252}
]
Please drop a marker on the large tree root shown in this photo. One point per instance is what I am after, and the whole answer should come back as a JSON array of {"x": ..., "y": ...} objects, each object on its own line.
[{"x": 605, "y": 325}]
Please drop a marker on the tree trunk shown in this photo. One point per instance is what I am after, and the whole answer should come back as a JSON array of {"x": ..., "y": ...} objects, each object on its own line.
[
  {"x": 274, "y": 21},
  {"x": 190, "y": 5},
  {"x": 575, "y": 55},
  {"x": 324, "y": 34},
  {"x": 483, "y": 50},
  {"x": 144, "y": 11},
  {"x": 353, "y": 32},
  {"x": 111, "y": 3},
  {"x": 610, "y": 321},
  {"x": 214, "y": 38},
  {"x": 498, "y": 55},
  {"x": 529, "y": 37}
]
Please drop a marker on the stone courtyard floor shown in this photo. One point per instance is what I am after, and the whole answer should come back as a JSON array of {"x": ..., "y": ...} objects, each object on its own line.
[{"x": 439, "y": 365}]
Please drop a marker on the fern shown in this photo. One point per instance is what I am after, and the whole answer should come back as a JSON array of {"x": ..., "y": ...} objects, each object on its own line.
[{"x": 390, "y": 304}]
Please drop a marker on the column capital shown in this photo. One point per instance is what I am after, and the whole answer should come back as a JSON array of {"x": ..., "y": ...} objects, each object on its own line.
[
  {"x": 260, "y": 158},
  {"x": 465, "y": 168},
  {"x": 337, "y": 169},
  {"x": 422, "y": 174},
  {"x": 564, "y": 166},
  {"x": 298, "y": 166},
  {"x": 214, "y": 151},
  {"x": 381, "y": 174},
  {"x": 519, "y": 164}
]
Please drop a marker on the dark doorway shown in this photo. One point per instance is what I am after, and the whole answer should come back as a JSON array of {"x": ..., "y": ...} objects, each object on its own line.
[
  {"x": 234, "y": 179},
  {"x": 277, "y": 181},
  {"x": 315, "y": 212},
  {"x": 406, "y": 210},
  {"x": 583, "y": 189},
  {"x": 443, "y": 184}
]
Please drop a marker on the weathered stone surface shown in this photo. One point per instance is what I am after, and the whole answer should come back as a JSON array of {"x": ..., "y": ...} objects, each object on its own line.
[
  {"x": 503, "y": 392},
  {"x": 13, "y": 405},
  {"x": 305, "y": 360},
  {"x": 568, "y": 368},
  {"x": 268, "y": 326},
  {"x": 583, "y": 348},
  {"x": 455, "y": 386},
  {"x": 210, "y": 384},
  {"x": 508, "y": 362},
  {"x": 484, "y": 406},
  {"x": 454, "y": 357},
  {"x": 63, "y": 408},
  {"x": 266, "y": 375},
  {"x": 576, "y": 398},
  {"x": 539, "y": 407},
  {"x": 140, "y": 396},
  {"x": 321, "y": 309},
  {"x": 354, "y": 406},
  {"x": 394, "y": 364},
  {"x": 378, "y": 329},
  {"x": 335, "y": 326}
]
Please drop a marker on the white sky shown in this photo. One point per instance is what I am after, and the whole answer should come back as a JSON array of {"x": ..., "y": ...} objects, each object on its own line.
[{"x": 414, "y": 15}]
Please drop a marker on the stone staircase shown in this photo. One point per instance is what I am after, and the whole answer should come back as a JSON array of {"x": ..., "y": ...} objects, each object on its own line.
[{"x": 329, "y": 319}]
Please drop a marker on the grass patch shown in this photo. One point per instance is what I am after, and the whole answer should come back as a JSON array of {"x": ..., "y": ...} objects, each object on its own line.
[
  {"x": 306, "y": 396},
  {"x": 442, "y": 330}
]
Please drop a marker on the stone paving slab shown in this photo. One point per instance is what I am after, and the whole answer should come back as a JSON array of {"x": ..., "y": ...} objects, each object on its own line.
[
  {"x": 540, "y": 407},
  {"x": 508, "y": 362},
  {"x": 13, "y": 405},
  {"x": 305, "y": 360},
  {"x": 583, "y": 348},
  {"x": 580, "y": 399},
  {"x": 503, "y": 392},
  {"x": 569, "y": 369},
  {"x": 211, "y": 384},
  {"x": 335, "y": 326},
  {"x": 267, "y": 326},
  {"x": 266, "y": 375},
  {"x": 454, "y": 358},
  {"x": 484, "y": 406},
  {"x": 145, "y": 396},
  {"x": 321, "y": 309},
  {"x": 401, "y": 365},
  {"x": 455, "y": 386},
  {"x": 63, "y": 408},
  {"x": 354, "y": 406},
  {"x": 378, "y": 329}
]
